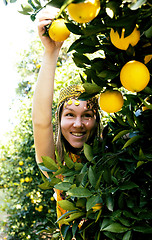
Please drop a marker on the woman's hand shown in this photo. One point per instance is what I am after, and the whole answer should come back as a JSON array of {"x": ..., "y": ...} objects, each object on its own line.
[{"x": 45, "y": 19}]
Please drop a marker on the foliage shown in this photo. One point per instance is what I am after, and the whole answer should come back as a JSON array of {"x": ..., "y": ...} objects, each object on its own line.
[
  {"x": 28, "y": 207},
  {"x": 119, "y": 172},
  {"x": 119, "y": 179}
]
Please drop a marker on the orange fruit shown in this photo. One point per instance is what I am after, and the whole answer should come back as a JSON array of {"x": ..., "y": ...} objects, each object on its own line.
[
  {"x": 111, "y": 101},
  {"x": 97, "y": 207},
  {"x": 58, "y": 30},
  {"x": 134, "y": 76},
  {"x": 22, "y": 180},
  {"x": 27, "y": 179},
  {"x": 84, "y": 12},
  {"x": 124, "y": 42},
  {"x": 21, "y": 163}
]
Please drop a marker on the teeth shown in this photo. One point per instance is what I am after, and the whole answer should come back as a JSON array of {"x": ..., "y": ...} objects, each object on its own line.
[{"x": 77, "y": 134}]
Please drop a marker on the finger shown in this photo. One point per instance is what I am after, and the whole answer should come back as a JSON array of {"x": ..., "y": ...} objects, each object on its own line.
[
  {"x": 44, "y": 23},
  {"x": 41, "y": 26}
]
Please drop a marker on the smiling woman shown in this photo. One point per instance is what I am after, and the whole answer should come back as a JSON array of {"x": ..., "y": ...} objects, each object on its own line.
[{"x": 77, "y": 121}]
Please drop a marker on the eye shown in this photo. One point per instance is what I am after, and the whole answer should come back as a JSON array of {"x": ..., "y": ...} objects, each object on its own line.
[
  {"x": 87, "y": 115},
  {"x": 69, "y": 115}
]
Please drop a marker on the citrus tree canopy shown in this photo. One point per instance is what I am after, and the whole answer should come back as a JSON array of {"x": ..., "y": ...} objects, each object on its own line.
[{"x": 110, "y": 191}]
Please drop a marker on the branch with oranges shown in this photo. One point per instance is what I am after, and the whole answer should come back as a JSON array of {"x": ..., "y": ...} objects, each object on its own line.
[{"x": 114, "y": 29}]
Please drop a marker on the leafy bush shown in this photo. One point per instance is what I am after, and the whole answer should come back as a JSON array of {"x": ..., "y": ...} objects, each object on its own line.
[{"x": 118, "y": 175}]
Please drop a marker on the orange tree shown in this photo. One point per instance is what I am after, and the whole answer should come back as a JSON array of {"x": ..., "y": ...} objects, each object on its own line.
[
  {"x": 116, "y": 173},
  {"x": 29, "y": 208}
]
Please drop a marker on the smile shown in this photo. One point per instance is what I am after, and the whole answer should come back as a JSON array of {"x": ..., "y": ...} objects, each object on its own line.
[{"x": 78, "y": 134}]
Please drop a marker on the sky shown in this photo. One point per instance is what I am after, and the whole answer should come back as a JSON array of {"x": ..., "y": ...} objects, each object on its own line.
[{"x": 14, "y": 38}]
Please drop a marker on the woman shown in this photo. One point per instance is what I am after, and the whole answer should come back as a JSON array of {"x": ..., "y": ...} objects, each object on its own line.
[{"x": 77, "y": 121}]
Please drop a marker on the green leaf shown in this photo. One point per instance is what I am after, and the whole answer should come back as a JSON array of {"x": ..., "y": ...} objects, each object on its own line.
[
  {"x": 120, "y": 134},
  {"x": 92, "y": 176},
  {"x": 107, "y": 175},
  {"x": 43, "y": 168},
  {"x": 54, "y": 181},
  {"x": 107, "y": 74},
  {"x": 63, "y": 186},
  {"x": 92, "y": 201},
  {"x": 115, "y": 228},
  {"x": 45, "y": 186},
  {"x": 148, "y": 33},
  {"x": 146, "y": 103},
  {"x": 26, "y": 9},
  {"x": 74, "y": 28},
  {"x": 106, "y": 222},
  {"x": 125, "y": 221},
  {"x": 66, "y": 215},
  {"x": 88, "y": 152},
  {"x": 64, "y": 230},
  {"x": 75, "y": 227},
  {"x": 13, "y": 1},
  {"x": 120, "y": 120},
  {"x": 78, "y": 166},
  {"x": 58, "y": 158},
  {"x": 79, "y": 192},
  {"x": 80, "y": 59},
  {"x": 68, "y": 235},
  {"x": 143, "y": 229},
  {"x": 128, "y": 185},
  {"x": 69, "y": 163},
  {"x": 67, "y": 205},
  {"x": 130, "y": 215},
  {"x": 81, "y": 202},
  {"x": 49, "y": 163},
  {"x": 60, "y": 171},
  {"x": 137, "y": 4},
  {"x": 131, "y": 141},
  {"x": 110, "y": 202},
  {"x": 56, "y": 4},
  {"x": 91, "y": 88},
  {"x": 127, "y": 236},
  {"x": 127, "y": 21},
  {"x": 98, "y": 182},
  {"x": 75, "y": 216},
  {"x": 72, "y": 217},
  {"x": 90, "y": 29},
  {"x": 98, "y": 216}
]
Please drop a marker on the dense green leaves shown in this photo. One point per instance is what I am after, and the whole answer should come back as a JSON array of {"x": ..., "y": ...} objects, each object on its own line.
[{"x": 115, "y": 173}]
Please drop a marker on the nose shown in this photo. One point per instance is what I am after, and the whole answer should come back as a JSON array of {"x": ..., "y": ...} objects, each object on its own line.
[{"x": 78, "y": 122}]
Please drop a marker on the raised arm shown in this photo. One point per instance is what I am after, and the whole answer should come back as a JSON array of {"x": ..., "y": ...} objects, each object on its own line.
[{"x": 43, "y": 95}]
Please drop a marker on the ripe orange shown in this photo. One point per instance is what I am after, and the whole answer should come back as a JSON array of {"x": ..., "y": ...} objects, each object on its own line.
[
  {"x": 21, "y": 163},
  {"x": 124, "y": 42},
  {"x": 58, "y": 30},
  {"x": 111, "y": 101},
  {"x": 134, "y": 76},
  {"x": 27, "y": 179},
  {"x": 85, "y": 11}
]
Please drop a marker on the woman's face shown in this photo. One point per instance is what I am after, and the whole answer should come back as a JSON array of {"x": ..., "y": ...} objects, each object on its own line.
[{"x": 77, "y": 123}]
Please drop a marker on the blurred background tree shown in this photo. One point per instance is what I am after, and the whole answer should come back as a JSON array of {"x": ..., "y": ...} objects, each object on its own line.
[{"x": 28, "y": 207}]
